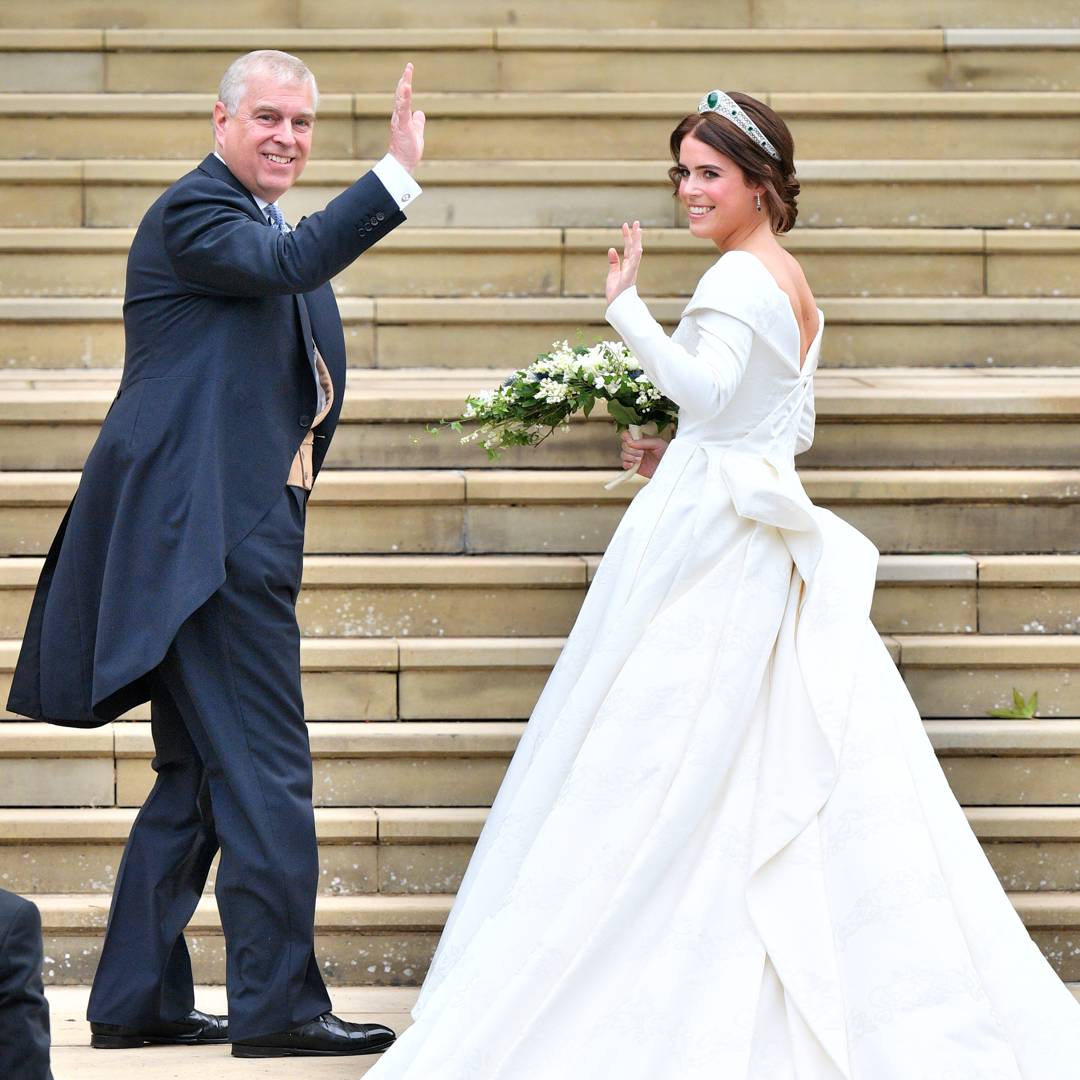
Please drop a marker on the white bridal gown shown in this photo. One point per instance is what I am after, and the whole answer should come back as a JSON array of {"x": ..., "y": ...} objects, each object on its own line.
[{"x": 724, "y": 849}]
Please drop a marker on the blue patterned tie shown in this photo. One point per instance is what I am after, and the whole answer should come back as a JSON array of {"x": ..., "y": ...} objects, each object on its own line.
[{"x": 277, "y": 219}]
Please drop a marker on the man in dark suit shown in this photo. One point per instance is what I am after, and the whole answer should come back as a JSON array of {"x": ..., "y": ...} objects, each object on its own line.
[
  {"x": 174, "y": 575},
  {"x": 24, "y": 1014}
]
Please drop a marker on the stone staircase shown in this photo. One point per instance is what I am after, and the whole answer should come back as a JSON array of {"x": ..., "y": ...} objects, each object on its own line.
[{"x": 939, "y": 196}]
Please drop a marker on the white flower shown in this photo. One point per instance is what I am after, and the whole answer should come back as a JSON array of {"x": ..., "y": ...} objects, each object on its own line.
[{"x": 552, "y": 391}]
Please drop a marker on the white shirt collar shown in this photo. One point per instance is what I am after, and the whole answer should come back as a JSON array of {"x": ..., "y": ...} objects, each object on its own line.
[{"x": 262, "y": 203}]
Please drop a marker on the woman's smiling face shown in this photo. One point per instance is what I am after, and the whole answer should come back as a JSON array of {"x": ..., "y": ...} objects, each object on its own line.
[{"x": 718, "y": 200}]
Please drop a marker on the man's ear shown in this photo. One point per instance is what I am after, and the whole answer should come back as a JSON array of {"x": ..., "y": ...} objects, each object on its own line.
[{"x": 220, "y": 117}]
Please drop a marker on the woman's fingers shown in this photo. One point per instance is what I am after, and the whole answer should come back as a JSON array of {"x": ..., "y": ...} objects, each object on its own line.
[
  {"x": 631, "y": 246},
  {"x": 648, "y": 443}
]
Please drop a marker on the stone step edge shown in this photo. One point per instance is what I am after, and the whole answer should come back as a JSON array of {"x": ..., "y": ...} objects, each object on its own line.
[
  {"x": 574, "y": 571},
  {"x": 365, "y": 912},
  {"x": 970, "y": 651},
  {"x": 382, "y": 912},
  {"x": 1039, "y": 737},
  {"x": 571, "y": 104},
  {"x": 945, "y": 39},
  {"x": 329, "y": 739},
  {"x": 424, "y": 825},
  {"x": 335, "y": 825},
  {"x": 525, "y": 487},
  {"x": 944, "y": 241},
  {"x": 568, "y": 105},
  {"x": 840, "y": 395},
  {"x": 603, "y": 173},
  {"x": 588, "y": 310},
  {"x": 570, "y": 571},
  {"x": 496, "y": 37}
]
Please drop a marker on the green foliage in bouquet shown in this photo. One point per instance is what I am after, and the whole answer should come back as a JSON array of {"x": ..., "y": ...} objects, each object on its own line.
[{"x": 533, "y": 402}]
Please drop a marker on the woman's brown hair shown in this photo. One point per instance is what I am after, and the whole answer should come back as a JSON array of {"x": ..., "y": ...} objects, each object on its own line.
[{"x": 757, "y": 165}]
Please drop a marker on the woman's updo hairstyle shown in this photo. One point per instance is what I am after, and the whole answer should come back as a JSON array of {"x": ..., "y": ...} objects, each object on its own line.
[{"x": 757, "y": 165}]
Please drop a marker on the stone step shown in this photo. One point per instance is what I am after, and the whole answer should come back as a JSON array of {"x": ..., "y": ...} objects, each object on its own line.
[
  {"x": 82, "y": 262},
  {"x": 458, "y": 763},
  {"x": 377, "y": 14},
  {"x": 514, "y": 58},
  {"x": 382, "y": 596},
  {"x": 1032, "y": 848},
  {"x": 433, "y": 764},
  {"x": 397, "y": 332},
  {"x": 499, "y": 678},
  {"x": 582, "y": 194},
  {"x": 1003, "y": 763},
  {"x": 539, "y": 125},
  {"x": 421, "y": 850},
  {"x": 389, "y": 850},
  {"x": 944, "y": 418},
  {"x": 73, "y": 1056},
  {"x": 344, "y": 679},
  {"x": 508, "y": 59},
  {"x": 544, "y": 512},
  {"x": 378, "y": 596},
  {"x": 373, "y": 940},
  {"x": 388, "y": 940}
]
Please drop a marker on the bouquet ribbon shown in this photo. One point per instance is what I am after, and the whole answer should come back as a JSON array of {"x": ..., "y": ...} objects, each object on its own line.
[{"x": 611, "y": 485}]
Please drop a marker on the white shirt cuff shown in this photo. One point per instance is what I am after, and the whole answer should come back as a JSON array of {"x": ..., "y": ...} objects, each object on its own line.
[{"x": 396, "y": 179}]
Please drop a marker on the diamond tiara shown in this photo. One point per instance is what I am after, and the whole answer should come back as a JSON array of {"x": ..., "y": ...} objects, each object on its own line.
[{"x": 718, "y": 102}]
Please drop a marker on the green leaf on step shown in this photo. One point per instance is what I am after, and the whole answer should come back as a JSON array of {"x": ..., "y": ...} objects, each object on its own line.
[{"x": 1022, "y": 708}]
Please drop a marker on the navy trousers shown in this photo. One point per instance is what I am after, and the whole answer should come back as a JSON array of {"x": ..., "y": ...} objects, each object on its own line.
[{"x": 233, "y": 768}]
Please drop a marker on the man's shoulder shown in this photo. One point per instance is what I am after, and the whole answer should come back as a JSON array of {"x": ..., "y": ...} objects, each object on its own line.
[
  {"x": 204, "y": 183},
  {"x": 16, "y": 912}
]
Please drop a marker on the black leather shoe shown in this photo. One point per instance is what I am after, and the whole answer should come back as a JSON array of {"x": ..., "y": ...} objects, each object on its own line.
[
  {"x": 195, "y": 1029},
  {"x": 325, "y": 1036}
]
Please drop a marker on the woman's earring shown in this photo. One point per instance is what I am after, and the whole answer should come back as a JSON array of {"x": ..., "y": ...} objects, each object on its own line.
[{"x": 757, "y": 202}]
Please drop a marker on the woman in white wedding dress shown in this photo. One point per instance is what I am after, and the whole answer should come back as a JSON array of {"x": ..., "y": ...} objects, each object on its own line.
[{"x": 724, "y": 849}]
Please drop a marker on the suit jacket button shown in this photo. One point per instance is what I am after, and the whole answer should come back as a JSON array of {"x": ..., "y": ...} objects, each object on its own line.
[
  {"x": 305, "y": 420},
  {"x": 380, "y": 216}
]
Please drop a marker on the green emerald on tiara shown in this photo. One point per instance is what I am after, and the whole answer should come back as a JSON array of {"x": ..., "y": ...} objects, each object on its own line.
[{"x": 718, "y": 102}]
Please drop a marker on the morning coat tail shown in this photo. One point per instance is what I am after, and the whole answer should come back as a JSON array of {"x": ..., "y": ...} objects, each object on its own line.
[{"x": 222, "y": 314}]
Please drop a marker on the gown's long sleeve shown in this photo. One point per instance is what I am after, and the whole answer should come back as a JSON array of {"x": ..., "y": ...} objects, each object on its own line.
[{"x": 705, "y": 378}]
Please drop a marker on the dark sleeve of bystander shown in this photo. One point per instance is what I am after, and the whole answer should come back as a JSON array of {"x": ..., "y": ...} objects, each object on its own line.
[{"x": 24, "y": 1013}]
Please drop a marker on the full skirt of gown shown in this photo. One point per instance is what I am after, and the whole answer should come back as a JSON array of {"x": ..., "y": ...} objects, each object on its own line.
[{"x": 724, "y": 849}]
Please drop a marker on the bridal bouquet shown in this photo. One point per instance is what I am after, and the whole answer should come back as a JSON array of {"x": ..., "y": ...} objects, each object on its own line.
[{"x": 533, "y": 402}]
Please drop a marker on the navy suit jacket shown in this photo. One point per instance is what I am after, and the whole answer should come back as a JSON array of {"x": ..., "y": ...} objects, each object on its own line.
[
  {"x": 217, "y": 393},
  {"x": 24, "y": 1014}
]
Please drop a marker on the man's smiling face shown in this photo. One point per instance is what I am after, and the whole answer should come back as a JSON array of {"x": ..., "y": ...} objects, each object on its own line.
[{"x": 266, "y": 143}]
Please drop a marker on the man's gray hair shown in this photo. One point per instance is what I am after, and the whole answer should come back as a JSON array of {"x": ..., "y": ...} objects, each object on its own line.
[{"x": 285, "y": 67}]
